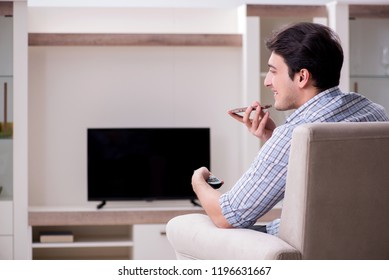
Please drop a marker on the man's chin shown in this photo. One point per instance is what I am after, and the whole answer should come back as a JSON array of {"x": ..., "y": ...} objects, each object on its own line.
[
  {"x": 278, "y": 107},
  {"x": 281, "y": 107}
]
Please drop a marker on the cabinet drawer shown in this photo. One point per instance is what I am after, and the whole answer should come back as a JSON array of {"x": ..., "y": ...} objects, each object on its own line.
[
  {"x": 6, "y": 214},
  {"x": 151, "y": 243}
]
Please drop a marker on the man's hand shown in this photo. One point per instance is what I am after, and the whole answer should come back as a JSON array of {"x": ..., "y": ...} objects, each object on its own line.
[
  {"x": 261, "y": 125},
  {"x": 209, "y": 197}
]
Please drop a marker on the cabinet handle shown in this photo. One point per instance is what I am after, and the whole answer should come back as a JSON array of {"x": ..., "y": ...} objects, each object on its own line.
[{"x": 163, "y": 233}]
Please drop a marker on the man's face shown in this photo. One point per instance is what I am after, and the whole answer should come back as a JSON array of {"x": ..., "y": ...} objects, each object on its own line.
[{"x": 286, "y": 94}]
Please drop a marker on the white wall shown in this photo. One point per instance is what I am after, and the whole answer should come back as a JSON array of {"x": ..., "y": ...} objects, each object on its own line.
[
  {"x": 73, "y": 88},
  {"x": 133, "y": 20}
]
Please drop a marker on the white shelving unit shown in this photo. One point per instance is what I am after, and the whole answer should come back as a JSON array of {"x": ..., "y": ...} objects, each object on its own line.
[
  {"x": 13, "y": 160},
  {"x": 127, "y": 233},
  {"x": 105, "y": 234},
  {"x": 178, "y": 54}
]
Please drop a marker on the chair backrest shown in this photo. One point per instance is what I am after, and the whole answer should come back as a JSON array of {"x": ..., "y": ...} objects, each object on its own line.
[{"x": 336, "y": 202}]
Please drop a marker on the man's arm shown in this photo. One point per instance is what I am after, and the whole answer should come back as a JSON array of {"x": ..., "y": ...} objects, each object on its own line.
[
  {"x": 262, "y": 126},
  {"x": 209, "y": 197}
]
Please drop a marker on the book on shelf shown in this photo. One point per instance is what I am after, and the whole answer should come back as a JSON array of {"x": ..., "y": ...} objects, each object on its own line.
[{"x": 56, "y": 236}]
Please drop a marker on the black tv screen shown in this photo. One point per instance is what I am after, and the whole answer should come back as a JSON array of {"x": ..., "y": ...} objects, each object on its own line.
[{"x": 144, "y": 163}]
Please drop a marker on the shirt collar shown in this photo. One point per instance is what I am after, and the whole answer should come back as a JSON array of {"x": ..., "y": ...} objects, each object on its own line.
[{"x": 303, "y": 108}]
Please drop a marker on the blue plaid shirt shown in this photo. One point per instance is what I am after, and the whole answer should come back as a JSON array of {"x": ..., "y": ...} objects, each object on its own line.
[{"x": 263, "y": 184}]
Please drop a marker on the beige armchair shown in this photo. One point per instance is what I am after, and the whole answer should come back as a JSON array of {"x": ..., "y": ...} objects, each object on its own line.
[{"x": 336, "y": 203}]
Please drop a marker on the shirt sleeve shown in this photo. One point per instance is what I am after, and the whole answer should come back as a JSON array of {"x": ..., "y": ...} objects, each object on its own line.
[
  {"x": 273, "y": 227},
  {"x": 262, "y": 186}
]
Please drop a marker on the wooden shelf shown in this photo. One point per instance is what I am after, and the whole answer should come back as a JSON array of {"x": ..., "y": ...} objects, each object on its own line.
[
  {"x": 94, "y": 39},
  {"x": 369, "y": 11},
  {"x": 286, "y": 10},
  {"x": 369, "y": 77},
  {"x": 119, "y": 217},
  {"x": 6, "y": 9},
  {"x": 106, "y": 217},
  {"x": 355, "y": 11},
  {"x": 87, "y": 242}
]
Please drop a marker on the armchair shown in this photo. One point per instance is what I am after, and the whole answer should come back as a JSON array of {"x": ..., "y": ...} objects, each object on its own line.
[{"x": 336, "y": 202}]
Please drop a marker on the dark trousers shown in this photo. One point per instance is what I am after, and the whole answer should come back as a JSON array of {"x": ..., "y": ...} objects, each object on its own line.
[{"x": 259, "y": 228}]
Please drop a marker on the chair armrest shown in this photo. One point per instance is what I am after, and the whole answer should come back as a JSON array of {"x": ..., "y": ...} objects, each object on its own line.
[{"x": 194, "y": 236}]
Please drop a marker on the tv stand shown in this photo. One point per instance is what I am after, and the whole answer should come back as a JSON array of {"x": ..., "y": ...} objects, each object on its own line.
[
  {"x": 122, "y": 233},
  {"x": 109, "y": 233},
  {"x": 102, "y": 204}
]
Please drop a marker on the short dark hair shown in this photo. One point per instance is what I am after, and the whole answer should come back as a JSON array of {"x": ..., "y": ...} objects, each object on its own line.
[{"x": 312, "y": 46}]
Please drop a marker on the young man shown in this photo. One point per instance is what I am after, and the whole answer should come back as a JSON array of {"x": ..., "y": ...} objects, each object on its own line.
[{"x": 304, "y": 71}]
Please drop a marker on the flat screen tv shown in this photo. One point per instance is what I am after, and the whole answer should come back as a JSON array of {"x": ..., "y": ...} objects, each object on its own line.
[{"x": 144, "y": 163}]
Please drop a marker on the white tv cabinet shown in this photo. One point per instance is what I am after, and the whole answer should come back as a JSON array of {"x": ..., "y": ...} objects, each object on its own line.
[
  {"x": 108, "y": 233},
  {"x": 111, "y": 233}
]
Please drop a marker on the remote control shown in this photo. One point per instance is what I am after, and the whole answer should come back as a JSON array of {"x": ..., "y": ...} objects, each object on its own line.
[{"x": 214, "y": 182}]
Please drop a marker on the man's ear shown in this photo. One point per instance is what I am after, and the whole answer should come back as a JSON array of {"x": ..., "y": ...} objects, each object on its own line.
[{"x": 303, "y": 77}]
